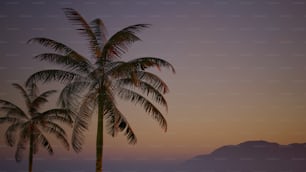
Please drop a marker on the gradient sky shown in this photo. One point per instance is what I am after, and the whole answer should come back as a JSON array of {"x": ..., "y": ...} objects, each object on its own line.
[{"x": 241, "y": 69}]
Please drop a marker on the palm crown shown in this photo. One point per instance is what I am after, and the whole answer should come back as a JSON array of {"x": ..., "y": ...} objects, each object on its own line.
[
  {"x": 97, "y": 82},
  {"x": 32, "y": 125}
]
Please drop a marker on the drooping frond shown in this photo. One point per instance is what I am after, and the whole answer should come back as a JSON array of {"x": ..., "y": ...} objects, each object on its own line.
[
  {"x": 100, "y": 31},
  {"x": 153, "y": 80},
  {"x": 23, "y": 93},
  {"x": 119, "y": 42},
  {"x": 61, "y": 115},
  {"x": 43, "y": 141},
  {"x": 146, "y": 88},
  {"x": 148, "y": 62},
  {"x": 23, "y": 140},
  {"x": 20, "y": 149},
  {"x": 49, "y": 43},
  {"x": 33, "y": 91},
  {"x": 72, "y": 61},
  {"x": 41, "y": 99},
  {"x": 147, "y": 105},
  {"x": 57, "y": 131},
  {"x": 10, "y": 134},
  {"x": 8, "y": 119},
  {"x": 12, "y": 109},
  {"x": 76, "y": 19},
  {"x": 116, "y": 122},
  {"x": 140, "y": 76},
  {"x": 120, "y": 69},
  {"x": 81, "y": 120},
  {"x": 52, "y": 75},
  {"x": 46, "y": 94},
  {"x": 70, "y": 94}
]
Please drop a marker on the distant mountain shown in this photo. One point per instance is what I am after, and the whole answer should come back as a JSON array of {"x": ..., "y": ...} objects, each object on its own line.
[{"x": 251, "y": 156}]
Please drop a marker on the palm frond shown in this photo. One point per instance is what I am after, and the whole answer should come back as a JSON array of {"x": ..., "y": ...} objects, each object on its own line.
[
  {"x": 57, "y": 131},
  {"x": 52, "y": 75},
  {"x": 10, "y": 134},
  {"x": 70, "y": 94},
  {"x": 129, "y": 70},
  {"x": 116, "y": 122},
  {"x": 62, "y": 115},
  {"x": 100, "y": 31},
  {"x": 147, "y": 62},
  {"x": 20, "y": 149},
  {"x": 141, "y": 76},
  {"x": 13, "y": 112},
  {"x": 9, "y": 119},
  {"x": 50, "y": 43},
  {"x": 41, "y": 99},
  {"x": 32, "y": 91},
  {"x": 43, "y": 141},
  {"x": 119, "y": 42},
  {"x": 153, "y": 80},
  {"x": 147, "y": 105},
  {"x": 82, "y": 119},
  {"x": 146, "y": 89},
  {"x": 72, "y": 60},
  {"x": 23, "y": 93},
  {"x": 23, "y": 140},
  {"x": 85, "y": 29},
  {"x": 46, "y": 94}
]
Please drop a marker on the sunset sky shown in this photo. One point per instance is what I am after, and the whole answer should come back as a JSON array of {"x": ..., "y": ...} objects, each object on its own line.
[{"x": 241, "y": 70}]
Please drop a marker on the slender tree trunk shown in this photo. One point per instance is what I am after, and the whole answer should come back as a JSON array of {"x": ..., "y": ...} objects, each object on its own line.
[
  {"x": 99, "y": 142},
  {"x": 31, "y": 152}
]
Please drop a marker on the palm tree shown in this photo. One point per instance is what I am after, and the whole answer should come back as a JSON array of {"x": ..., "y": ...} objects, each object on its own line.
[
  {"x": 31, "y": 124},
  {"x": 100, "y": 80}
]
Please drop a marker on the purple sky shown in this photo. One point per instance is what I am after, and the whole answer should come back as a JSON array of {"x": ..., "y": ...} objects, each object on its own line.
[{"x": 241, "y": 69}]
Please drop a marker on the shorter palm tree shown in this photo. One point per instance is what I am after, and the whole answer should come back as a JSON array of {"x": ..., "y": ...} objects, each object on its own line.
[{"x": 31, "y": 125}]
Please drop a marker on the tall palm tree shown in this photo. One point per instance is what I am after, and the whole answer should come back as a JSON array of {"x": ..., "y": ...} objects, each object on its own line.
[
  {"x": 100, "y": 80},
  {"x": 31, "y": 124}
]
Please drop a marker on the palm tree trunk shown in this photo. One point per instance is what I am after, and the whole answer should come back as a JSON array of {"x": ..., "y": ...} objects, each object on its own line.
[
  {"x": 31, "y": 152},
  {"x": 99, "y": 141}
]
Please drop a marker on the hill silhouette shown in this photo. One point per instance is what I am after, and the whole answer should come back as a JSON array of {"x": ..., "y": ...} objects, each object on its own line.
[{"x": 251, "y": 156}]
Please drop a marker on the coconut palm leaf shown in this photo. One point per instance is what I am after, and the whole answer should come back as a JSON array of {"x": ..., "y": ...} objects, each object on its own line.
[
  {"x": 82, "y": 119},
  {"x": 154, "y": 80},
  {"x": 147, "y": 105},
  {"x": 117, "y": 122},
  {"x": 72, "y": 61},
  {"x": 43, "y": 141},
  {"x": 100, "y": 31},
  {"x": 119, "y": 42},
  {"x": 52, "y": 75},
  {"x": 10, "y": 133},
  {"x": 20, "y": 149},
  {"x": 49, "y": 43},
  {"x": 147, "y": 62},
  {"x": 69, "y": 95},
  {"x": 84, "y": 29},
  {"x": 61, "y": 115},
  {"x": 23, "y": 93},
  {"x": 55, "y": 129},
  {"x": 146, "y": 89},
  {"x": 42, "y": 99},
  {"x": 11, "y": 109}
]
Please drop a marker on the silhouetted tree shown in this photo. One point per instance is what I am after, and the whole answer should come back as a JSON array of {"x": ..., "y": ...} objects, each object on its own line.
[
  {"x": 33, "y": 125},
  {"x": 103, "y": 78}
]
